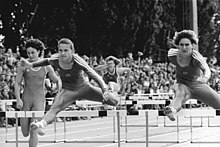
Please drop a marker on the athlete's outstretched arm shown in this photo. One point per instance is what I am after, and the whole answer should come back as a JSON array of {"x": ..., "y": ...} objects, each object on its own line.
[
  {"x": 100, "y": 67},
  {"x": 43, "y": 62},
  {"x": 18, "y": 80},
  {"x": 53, "y": 76}
]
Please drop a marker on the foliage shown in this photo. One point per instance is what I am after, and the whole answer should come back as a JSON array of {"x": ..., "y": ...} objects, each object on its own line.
[{"x": 107, "y": 27}]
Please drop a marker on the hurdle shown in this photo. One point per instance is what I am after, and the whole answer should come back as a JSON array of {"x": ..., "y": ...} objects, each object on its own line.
[
  {"x": 183, "y": 113},
  {"x": 141, "y": 102},
  {"x": 152, "y": 96},
  {"x": 121, "y": 113},
  {"x": 25, "y": 114},
  {"x": 95, "y": 113},
  {"x": 30, "y": 114},
  {"x": 5, "y": 103},
  {"x": 204, "y": 113}
]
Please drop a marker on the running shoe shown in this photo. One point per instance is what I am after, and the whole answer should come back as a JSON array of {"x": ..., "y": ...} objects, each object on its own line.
[
  {"x": 170, "y": 113},
  {"x": 110, "y": 99},
  {"x": 37, "y": 126}
]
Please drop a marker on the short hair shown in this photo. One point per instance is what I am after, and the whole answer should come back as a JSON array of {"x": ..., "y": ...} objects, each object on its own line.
[
  {"x": 35, "y": 43},
  {"x": 189, "y": 34},
  {"x": 66, "y": 41},
  {"x": 112, "y": 58}
]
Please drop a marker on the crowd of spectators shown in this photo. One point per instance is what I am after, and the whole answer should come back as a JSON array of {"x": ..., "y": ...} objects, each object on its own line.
[{"x": 146, "y": 77}]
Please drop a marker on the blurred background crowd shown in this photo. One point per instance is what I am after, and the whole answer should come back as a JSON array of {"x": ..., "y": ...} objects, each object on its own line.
[{"x": 147, "y": 76}]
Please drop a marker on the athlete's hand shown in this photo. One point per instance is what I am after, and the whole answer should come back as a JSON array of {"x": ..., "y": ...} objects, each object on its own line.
[
  {"x": 19, "y": 103},
  {"x": 202, "y": 79},
  {"x": 24, "y": 63}
]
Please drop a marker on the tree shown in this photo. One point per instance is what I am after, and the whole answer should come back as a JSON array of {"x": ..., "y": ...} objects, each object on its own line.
[{"x": 107, "y": 27}]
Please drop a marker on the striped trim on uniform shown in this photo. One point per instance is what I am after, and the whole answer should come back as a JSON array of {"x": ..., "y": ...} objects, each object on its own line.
[
  {"x": 196, "y": 55},
  {"x": 83, "y": 63}
]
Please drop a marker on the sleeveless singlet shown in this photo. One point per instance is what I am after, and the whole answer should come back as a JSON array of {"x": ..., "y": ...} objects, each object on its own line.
[
  {"x": 108, "y": 77},
  {"x": 188, "y": 74},
  {"x": 34, "y": 82},
  {"x": 74, "y": 78}
]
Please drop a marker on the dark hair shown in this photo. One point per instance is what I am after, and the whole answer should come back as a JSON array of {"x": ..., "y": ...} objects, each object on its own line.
[
  {"x": 112, "y": 58},
  {"x": 35, "y": 43},
  {"x": 189, "y": 34}
]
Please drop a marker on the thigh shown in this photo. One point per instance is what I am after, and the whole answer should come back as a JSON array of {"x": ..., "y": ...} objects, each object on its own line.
[
  {"x": 207, "y": 95},
  {"x": 38, "y": 106},
  {"x": 25, "y": 122},
  {"x": 90, "y": 92},
  {"x": 64, "y": 99},
  {"x": 182, "y": 91}
]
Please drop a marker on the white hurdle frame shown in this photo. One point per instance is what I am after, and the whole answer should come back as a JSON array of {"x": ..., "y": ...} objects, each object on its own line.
[
  {"x": 30, "y": 114},
  {"x": 122, "y": 113}
]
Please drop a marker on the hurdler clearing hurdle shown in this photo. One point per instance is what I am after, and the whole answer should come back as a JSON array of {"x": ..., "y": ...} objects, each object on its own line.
[
  {"x": 192, "y": 73},
  {"x": 70, "y": 67}
]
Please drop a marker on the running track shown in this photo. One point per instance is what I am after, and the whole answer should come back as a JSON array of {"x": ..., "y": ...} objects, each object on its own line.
[{"x": 102, "y": 129}]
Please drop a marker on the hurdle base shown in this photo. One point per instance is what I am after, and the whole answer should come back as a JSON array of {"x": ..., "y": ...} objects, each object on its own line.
[
  {"x": 92, "y": 141},
  {"x": 139, "y": 125},
  {"x": 41, "y": 141},
  {"x": 194, "y": 142},
  {"x": 154, "y": 141},
  {"x": 198, "y": 126},
  {"x": 213, "y": 125}
]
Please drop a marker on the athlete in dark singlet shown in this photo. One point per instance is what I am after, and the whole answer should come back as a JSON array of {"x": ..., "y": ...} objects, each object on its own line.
[
  {"x": 192, "y": 73},
  {"x": 112, "y": 73},
  {"x": 70, "y": 67},
  {"x": 33, "y": 96}
]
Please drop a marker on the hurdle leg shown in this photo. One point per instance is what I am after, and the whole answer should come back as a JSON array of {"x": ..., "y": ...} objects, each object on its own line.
[
  {"x": 33, "y": 115},
  {"x": 16, "y": 129},
  {"x": 147, "y": 129},
  {"x": 55, "y": 130},
  {"x": 114, "y": 128},
  {"x": 178, "y": 129},
  {"x": 119, "y": 134},
  {"x": 6, "y": 129},
  {"x": 208, "y": 121},
  {"x": 157, "y": 121},
  {"x": 191, "y": 132},
  {"x": 64, "y": 129},
  {"x": 164, "y": 121},
  {"x": 201, "y": 121},
  {"x": 126, "y": 129}
]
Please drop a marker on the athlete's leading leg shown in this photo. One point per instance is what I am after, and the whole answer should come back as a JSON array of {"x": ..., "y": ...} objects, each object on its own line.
[
  {"x": 93, "y": 93},
  {"x": 62, "y": 100},
  {"x": 207, "y": 95},
  {"x": 181, "y": 95}
]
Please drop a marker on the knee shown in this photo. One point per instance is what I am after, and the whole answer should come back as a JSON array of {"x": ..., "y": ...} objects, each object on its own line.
[
  {"x": 181, "y": 90},
  {"x": 25, "y": 133},
  {"x": 57, "y": 105},
  {"x": 32, "y": 131}
]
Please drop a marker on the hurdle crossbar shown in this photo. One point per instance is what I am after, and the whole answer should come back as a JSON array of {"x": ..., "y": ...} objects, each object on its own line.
[
  {"x": 111, "y": 113},
  {"x": 118, "y": 113}
]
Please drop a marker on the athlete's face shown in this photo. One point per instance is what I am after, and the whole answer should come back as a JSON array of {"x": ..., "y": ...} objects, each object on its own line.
[
  {"x": 185, "y": 47},
  {"x": 32, "y": 53},
  {"x": 65, "y": 52},
  {"x": 110, "y": 64}
]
